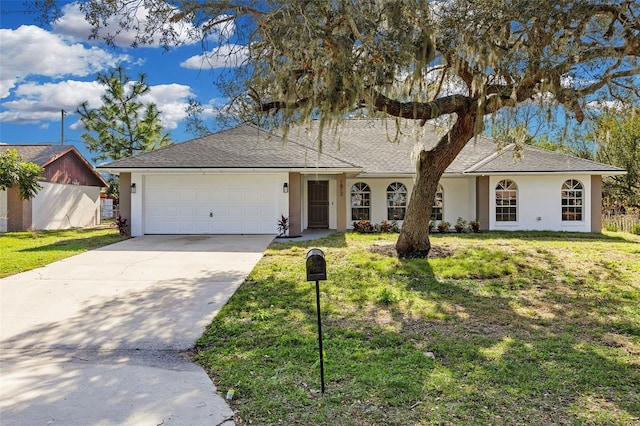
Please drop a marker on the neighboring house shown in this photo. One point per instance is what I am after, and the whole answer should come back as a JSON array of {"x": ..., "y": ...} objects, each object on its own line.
[
  {"x": 70, "y": 194},
  {"x": 241, "y": 180}
]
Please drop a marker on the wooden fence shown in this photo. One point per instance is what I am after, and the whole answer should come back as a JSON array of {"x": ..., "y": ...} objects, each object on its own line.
[{"x": 620, "y": 222}]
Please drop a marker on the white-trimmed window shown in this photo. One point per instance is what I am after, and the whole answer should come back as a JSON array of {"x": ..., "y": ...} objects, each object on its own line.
[
  {"x": 360, "y": 201},
  {"x": 396, "y": 201},
  {"x": 506, "y": 201},
  {"x": 572, "y": 200},
  {"x": 437, "y": 211}
]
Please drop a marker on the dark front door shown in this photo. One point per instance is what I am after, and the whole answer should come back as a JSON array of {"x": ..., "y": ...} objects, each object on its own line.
[{"x": 318, "y": 191}]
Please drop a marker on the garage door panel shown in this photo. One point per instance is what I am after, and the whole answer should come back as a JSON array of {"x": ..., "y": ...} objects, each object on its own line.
[
  {"x": 219, "y": 196},
  {"x": 238, "y": 204},
  {"x": 220, "y": 211},
  {"x": 203, "y": 196},
  {"x": 185, "y": 197},
  {"x": 238, "y": 197},
  {"x": 252, "y": 211},
  {"x": 237, "y": 212}
]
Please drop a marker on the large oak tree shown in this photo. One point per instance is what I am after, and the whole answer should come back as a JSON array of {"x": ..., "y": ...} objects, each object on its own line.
[{"x": 415, "y": 59}]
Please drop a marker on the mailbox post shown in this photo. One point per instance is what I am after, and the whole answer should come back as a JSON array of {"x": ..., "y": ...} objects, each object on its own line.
[{"x": 316, "y": 271}]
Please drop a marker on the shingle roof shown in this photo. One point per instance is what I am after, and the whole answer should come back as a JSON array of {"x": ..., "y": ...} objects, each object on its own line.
[
  {"x": 39, "y": 154},
  {"x": 382, "y": 147},
  {"x": 367, "y": 145},
  {"x": 244, "y": 147},
  {"x": 536, "y": 160}
]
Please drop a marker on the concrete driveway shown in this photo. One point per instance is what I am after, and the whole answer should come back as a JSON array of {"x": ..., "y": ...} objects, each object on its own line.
[{"x": 97, "y": 338}]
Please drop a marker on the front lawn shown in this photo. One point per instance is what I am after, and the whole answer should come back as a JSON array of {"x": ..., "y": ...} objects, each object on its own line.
[
  {"x": 497, "y": 328},
  {"x": 23, "y": 251}
]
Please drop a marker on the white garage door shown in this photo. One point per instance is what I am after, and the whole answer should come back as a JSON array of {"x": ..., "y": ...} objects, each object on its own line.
[{"x": 211, "y": 204}]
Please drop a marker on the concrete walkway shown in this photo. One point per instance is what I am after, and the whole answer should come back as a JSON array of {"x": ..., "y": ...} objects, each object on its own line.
[{"x": 97, "y": 339}]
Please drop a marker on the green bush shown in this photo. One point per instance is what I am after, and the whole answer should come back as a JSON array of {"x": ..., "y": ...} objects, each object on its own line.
[
  {"x": 363, "y": 227},
  {"x": 366, "y": 227},
  {"x": 636, "y": 229}
]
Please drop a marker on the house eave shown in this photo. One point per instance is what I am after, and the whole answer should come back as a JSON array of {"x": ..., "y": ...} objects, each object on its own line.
[
  {"x": 235, "y": 170},
  {"x": 386, "y": 175},
  {"x": 543, "y": 172}
]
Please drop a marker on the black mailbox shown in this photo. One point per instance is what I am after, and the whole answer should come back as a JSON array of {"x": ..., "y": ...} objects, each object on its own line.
[{"x": 316, "y": 265}]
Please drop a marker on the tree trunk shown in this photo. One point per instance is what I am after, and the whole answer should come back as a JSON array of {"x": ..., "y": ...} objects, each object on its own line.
[{"x": 413, "y": 241}]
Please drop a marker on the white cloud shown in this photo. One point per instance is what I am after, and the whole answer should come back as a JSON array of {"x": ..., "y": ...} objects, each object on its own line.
[
  {"x": 606, "y": 105},
  {"x": 227, "y": 55},
  {"x": 222, "y": 31},
  {"x": 171, "y": 100},
  {"x": 30, "y": 51},
  {"x": 73, "y": 24},
  {"x": 35, "y": 103}
]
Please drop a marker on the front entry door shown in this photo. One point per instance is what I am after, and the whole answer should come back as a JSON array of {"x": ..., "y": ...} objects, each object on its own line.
[{"x": 318, "y": 192}]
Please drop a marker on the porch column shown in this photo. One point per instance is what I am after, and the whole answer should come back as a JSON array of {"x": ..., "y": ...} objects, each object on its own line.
[
  {"x": 295, "y": 194},
  {"x": 482, "y": 201},
  {"x": 124, "y": 198},
  {"x": 341, "y": 204},
  {"x": 596, "y": 203}
]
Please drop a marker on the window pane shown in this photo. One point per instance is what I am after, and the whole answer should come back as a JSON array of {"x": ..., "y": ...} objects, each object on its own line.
[
  {"x": 506, "y": 201},
  {"x": 572, "y": 198},
  {"x": 360, "y": 201},
  {"x": 438, "y": 205},
  {"x": 396, "y": 201}
]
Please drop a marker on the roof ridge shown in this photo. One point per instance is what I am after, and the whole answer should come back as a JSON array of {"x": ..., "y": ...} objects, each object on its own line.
[
  {"x": 69, "y": 148},
  {"x": 488, "y": 159}
]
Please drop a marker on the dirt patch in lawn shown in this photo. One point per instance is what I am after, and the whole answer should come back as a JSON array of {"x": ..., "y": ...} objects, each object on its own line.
[{"x": 389, "y": 250}]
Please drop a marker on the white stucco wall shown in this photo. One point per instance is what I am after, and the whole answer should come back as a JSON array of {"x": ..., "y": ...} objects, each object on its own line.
[
  {"x": 135, "y": 224},
  {"x": 3, "y": 210},
  {"x": 539, "y": 199},
  {"x": 378, "y": 188},
  {"x": 459, "y": 197},
  {"x": 540, "y": 203},
  {"x": 59, "y": 206}
]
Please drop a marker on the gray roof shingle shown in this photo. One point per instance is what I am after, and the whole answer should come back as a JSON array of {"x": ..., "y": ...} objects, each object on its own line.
[
  {"x": 536, "y": 160},
  {"x": 39, "y": 154},
  {"x": 244, "y": 147},
  {"x": 382, "y": 147},
  {"x": 373, "y": 146}
]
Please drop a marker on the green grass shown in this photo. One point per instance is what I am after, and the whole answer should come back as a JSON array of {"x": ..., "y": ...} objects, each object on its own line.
[
  {"x": 500, "y": 328},
  {"x": 23, "y": 251}
]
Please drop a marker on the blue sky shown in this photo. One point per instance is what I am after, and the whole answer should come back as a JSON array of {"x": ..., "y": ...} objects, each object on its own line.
[{"x": 48, "y": 68}]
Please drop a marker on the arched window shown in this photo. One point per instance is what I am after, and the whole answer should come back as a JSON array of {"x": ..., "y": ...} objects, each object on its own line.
[
  {"x": 506, "y": 201},
  {"x": 396, "y": 201},
  {"x": 572, "y": 200},
  {"x": 360, "y": 201},
  {"x": 438, "y": 204}
]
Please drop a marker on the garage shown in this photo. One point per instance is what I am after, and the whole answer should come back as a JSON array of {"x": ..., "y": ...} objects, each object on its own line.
[{"x": 211, "y": 203}]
